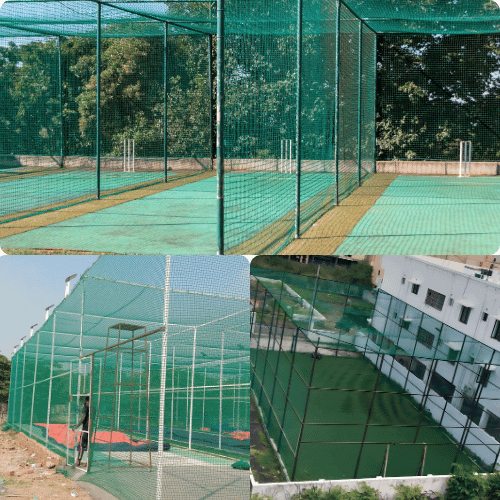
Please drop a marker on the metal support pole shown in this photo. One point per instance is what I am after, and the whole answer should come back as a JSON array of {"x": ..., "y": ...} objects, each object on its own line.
[
  {"x": 220, "y": 390},
  {"x": 302, "y": 423},
  {"x": 50, "y": 382},
  {"x": 298, "y": 130},
  {"x": 34, "y": 384},
  {"x": 61, "y": 101},
  {"x": 360, "y": 82},
  {"x": 375, "y": 107},
  {"x": 211, "y": 100},
  {"x": 22, "y": 392},
  {"x": 220, "y": 127},
  {"x": 172, "y": 391},
  {"x": 337, "y": 101},
  {"x": 91, "y": 423},
  {"x": 374, "y": 392},
  {"x": 192, "y": 390},
  {"x": 165, "y": 102},
  {"x": 163, "y": 376},
  {"x": 98, "y": 102}
]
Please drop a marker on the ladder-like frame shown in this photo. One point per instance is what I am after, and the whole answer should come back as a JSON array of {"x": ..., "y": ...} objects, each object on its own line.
[{"x": 122, "y": 346}]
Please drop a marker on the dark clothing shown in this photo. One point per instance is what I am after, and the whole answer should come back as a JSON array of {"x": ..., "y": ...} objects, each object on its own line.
[{"x": 85, "y": 422}]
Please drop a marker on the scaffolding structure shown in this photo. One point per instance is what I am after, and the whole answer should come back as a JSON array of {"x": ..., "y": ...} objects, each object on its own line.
[
  {"x": 354, "y": 383},
  {"x": 159, "y": 345}
]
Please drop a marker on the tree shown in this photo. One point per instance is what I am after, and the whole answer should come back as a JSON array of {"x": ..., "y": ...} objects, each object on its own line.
[{"x": 5, "y": 366}]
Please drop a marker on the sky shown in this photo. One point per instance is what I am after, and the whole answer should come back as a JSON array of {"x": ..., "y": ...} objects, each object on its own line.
[{"x": 28, "y": 284}]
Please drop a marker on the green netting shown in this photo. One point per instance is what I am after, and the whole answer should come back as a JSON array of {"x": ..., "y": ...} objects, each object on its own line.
[
  {"x": 437, "y": 85},
  {"x": 160, "y": 345},
  {"x": 345, "y": 370},
  {"x": 435, "y": 91}
]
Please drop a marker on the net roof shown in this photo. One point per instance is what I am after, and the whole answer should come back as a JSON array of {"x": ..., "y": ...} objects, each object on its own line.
[
  {"x": 207, "y": 293},
  {"x": 145, "y": 18}
]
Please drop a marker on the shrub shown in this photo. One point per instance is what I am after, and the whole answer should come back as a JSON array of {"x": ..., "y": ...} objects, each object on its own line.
[
  {"x": 464, "y": 485},
  {"x": 493, "y": 487},
  {"x": 364, "y": 493},
  {"x": 410, "y": 492}
]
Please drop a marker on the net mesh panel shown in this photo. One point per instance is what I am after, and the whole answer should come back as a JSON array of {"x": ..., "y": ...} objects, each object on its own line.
[
  {"x": 384, "y": 367},
  {"x": 436, "y": 87},
  {"x": 188, "y": 390},
  {"x": 436, "y": 91}
]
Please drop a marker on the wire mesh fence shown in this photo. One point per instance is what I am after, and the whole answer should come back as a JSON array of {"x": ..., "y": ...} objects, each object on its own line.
[
  {"x": 159, "y": 347},
  {"x": 354, "y": 383}
]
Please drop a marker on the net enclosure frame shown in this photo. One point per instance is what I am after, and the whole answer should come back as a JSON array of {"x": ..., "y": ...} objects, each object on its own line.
[
  {"x": 343, "y": 370},
  {"x": 321, "y": 98},
  {"x": 160, "y": 347}
]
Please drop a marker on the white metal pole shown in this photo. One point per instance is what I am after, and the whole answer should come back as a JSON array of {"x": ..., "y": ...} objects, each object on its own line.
[
  {"x": 120, "y": 390},
  {"x": 128, "y": 159},
  {"x": 192, "y": 390},
  {"x": 133, "y": 155},
  {"x": 34, "y": 385},
  {"x": 461, "y": 156},
  {"x": 239, "y": 392},
  {"x": 291, "y": 156},
  {"x": 173, "y": 391},
  {"x": 22, "y": 391},
  {"x": 187, "y": 399},
  {"x": 220, "y": 391},
  {"x": 124, "y": 155},
  {"x": 50, "y": 383},
  {"x": 166, "y": 307},
  {"x": 140, "y": 394},
  {"x": 281, "y": 159},
  {"x": 69, "y": 411},
  {"x": 150, "y": 360},
  {"x": 204, "y": 395},
  {"x": 470, "y": 156}
]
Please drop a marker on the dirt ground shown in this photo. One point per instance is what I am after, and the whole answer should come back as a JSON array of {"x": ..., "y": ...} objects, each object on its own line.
[{"x": 28, "y": 470}]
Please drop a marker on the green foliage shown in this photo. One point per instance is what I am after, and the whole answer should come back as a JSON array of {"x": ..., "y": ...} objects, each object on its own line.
[
  {"x": 5, "y": 366},
  {"x": 410, "y": 492},
  {"x": 365, "y": 492},
  {"x": 464, "y": 485},
  {"x": 493, "y": 487}
]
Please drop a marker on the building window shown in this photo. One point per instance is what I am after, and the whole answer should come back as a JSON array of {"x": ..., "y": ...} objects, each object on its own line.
[
  {"x": 464, "y": 314},
  {"x": 444, "y": 388},
  {"x": 435, "y": 299},
  {"x": 496, "y": 330},
  {"x": 471, "y": 410},
  {"x": 452, "y": 355},
  {"x": 485, "y": 316},
  {"x": 483, "y": 376},
  {"x": 415, "y": 288},
  {"x": 403, "y": 281},
  {"x": 425, "y": 338},
  {"x": 493, "y": 426}
]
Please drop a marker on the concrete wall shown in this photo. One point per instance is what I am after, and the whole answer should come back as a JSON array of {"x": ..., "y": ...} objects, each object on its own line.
[
  {"x": 284, "y": 491},
  {"x": 436, "y": 167}
]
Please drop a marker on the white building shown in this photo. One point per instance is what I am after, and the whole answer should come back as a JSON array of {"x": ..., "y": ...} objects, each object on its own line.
[{"x": 440, "y": 322}]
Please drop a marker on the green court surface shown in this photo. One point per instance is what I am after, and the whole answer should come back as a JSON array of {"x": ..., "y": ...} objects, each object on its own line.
[
  {"x": 26, "y": 193},
  {"x": 430, "y": 215},
  {"x": 182, "y": 220},
  {"x": 329, "y": 451}
]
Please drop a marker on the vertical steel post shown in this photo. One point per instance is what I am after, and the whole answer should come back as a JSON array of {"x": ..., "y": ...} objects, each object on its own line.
[
  {"x": 165, "y": 102},
  {"x": 34, "y": 384},
  {"x": 221, "y": 375},
  {"x": 298, "y": 130},
  {"x": 50, "y": 382},
  {"x": 220, "y": 127},
  {"x": 337, "y": 101},
  {"x": 372, "y": 403},
  {"x": 360, "y": 84},
  {"x": 296, "y": 458},
  {"x": 375, "y": 107},
  {"x": 211, "y": 100},
  {"x": 163, "y": 378},
  {"x": 61, "y": 101},
  {"x": 192, "y": 390},
  {"x": 98, "y": 102},
  {"x": 91, "y": 423},
  {"x": 22, "y": 394}
]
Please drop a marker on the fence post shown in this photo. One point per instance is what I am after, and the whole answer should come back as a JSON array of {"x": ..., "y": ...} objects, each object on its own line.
[
  {"x": 165, "y": 101},
  {"x": 337, "y": 101},
  {"x": 298, "y": 131},
  {"x": 220, "y": 126},
  {"x": 98, "y": 102}
]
